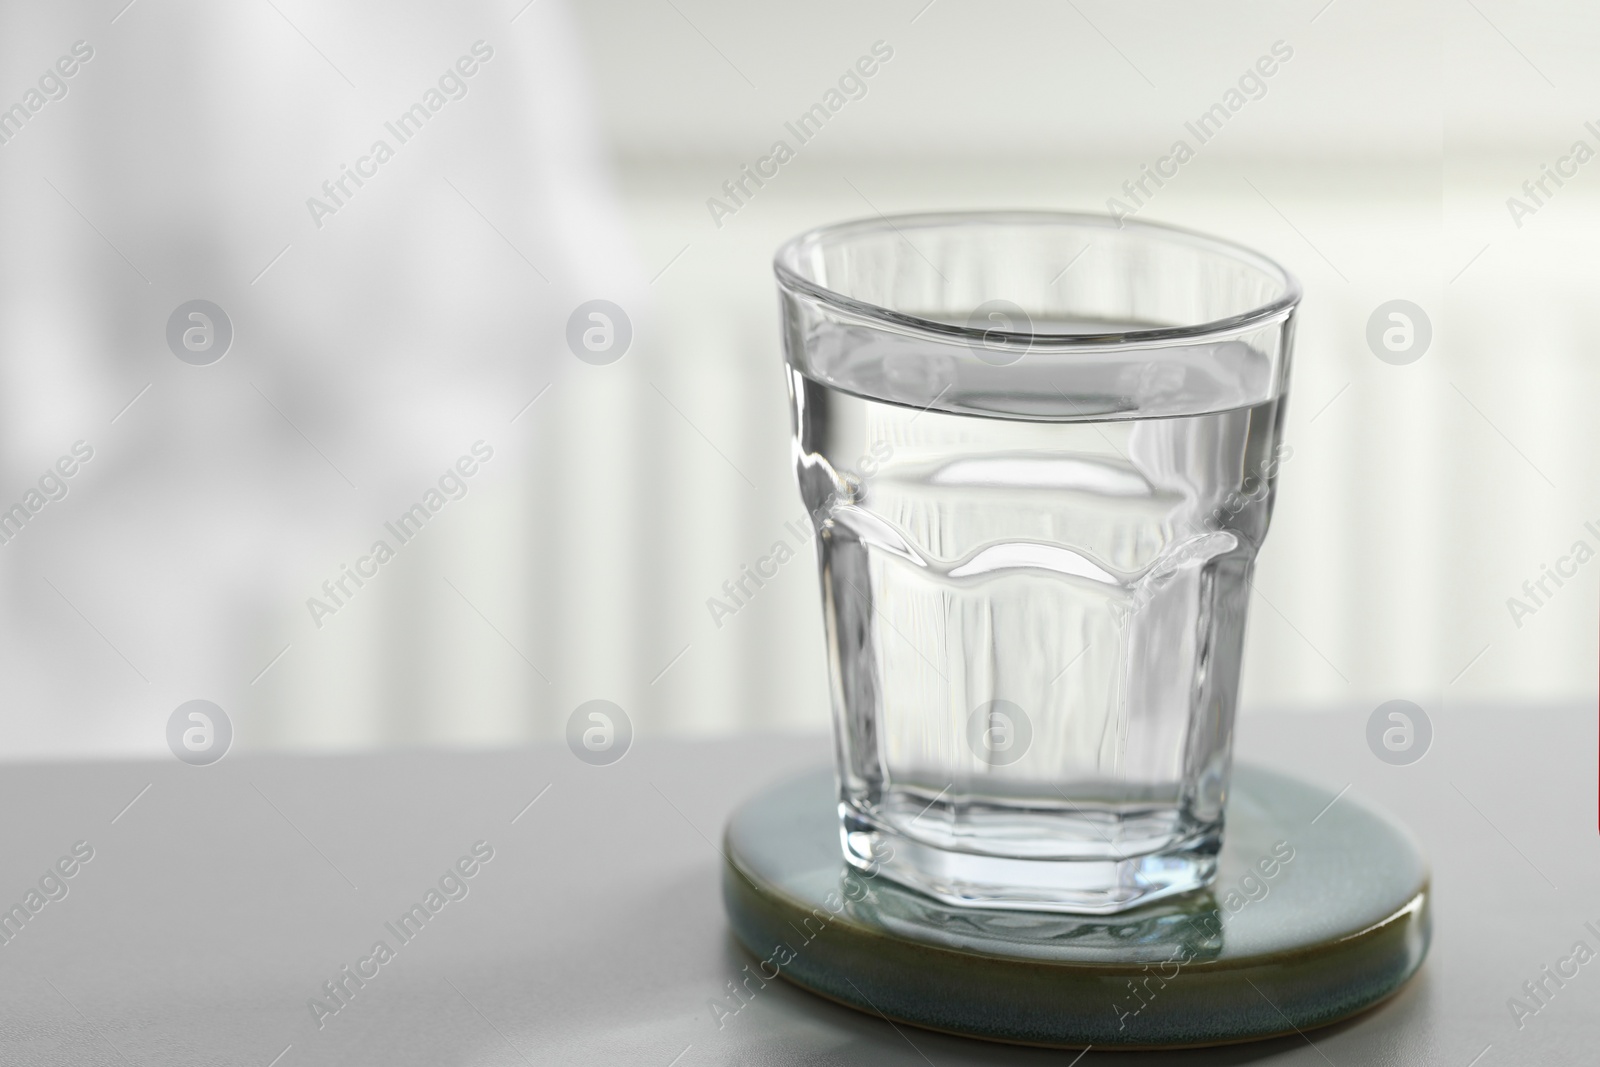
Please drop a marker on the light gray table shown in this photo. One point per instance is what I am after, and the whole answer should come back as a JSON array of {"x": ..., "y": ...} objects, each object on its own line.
[{"x": 217, "y": 905}]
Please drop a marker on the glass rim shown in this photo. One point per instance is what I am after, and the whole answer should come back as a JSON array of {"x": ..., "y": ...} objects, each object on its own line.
[{"x": 785, "y": 266}]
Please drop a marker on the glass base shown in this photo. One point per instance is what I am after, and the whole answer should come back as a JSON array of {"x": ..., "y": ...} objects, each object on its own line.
[{"x": 1088, "y": 886}]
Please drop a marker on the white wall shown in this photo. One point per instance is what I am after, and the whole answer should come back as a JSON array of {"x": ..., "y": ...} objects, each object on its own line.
[{"x": 1377, "y": 165}]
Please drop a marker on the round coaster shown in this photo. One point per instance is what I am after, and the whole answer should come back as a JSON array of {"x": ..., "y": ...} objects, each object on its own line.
[{"x": 1319, "y": 911}]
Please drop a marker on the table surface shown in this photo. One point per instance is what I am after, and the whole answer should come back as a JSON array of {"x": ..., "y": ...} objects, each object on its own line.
[{"x": 220, "y": 901}]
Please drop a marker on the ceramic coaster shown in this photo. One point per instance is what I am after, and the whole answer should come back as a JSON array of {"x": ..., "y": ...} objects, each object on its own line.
[{"x": 1318, "y": 912}]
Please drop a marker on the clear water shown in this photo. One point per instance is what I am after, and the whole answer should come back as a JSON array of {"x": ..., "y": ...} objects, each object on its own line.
[{"x": 1034, "y": 624}]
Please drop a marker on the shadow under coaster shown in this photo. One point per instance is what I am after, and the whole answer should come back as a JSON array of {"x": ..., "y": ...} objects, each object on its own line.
[{"x": 1315, "y": 915}]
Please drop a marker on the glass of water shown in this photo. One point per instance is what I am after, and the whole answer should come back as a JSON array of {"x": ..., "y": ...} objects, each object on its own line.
[{"x": 1040, "y": 452}]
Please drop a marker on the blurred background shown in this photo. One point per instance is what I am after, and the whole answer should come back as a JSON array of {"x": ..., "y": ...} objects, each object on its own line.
[{"x": 423, "y": 310}]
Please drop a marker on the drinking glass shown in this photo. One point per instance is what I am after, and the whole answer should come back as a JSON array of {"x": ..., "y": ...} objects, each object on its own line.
[{"x": 1039, "y": 451}]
